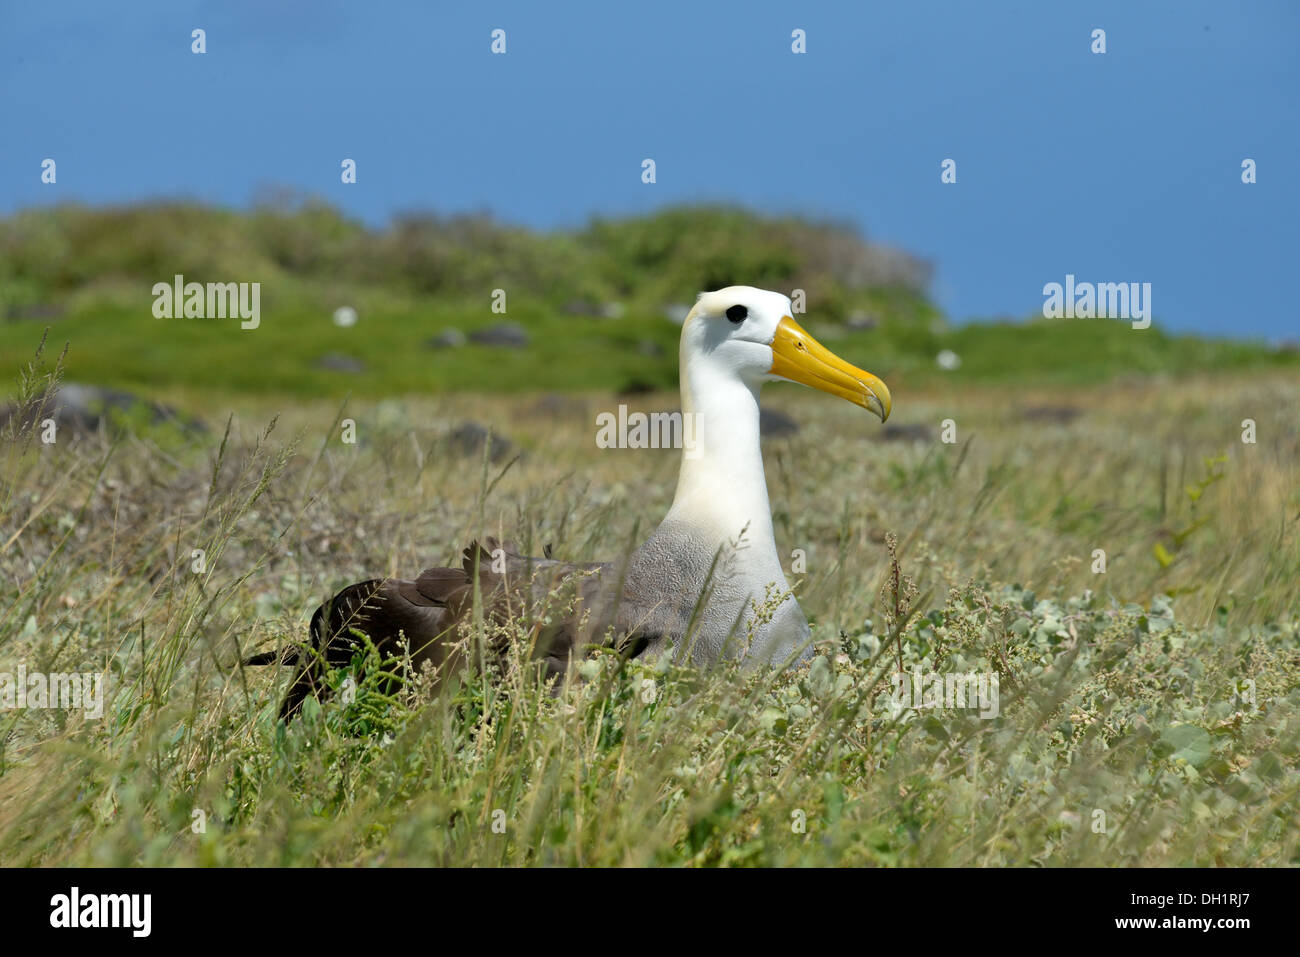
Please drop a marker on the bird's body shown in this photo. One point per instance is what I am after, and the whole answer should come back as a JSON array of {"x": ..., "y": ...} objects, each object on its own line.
[{"x": 708, "y": 583}]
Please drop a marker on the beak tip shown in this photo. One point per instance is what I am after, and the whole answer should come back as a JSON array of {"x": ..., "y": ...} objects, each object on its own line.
[{"x": 882, "y": 407}]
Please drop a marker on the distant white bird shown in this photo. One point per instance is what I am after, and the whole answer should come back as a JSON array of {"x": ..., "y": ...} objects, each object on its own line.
[
  {"x": 345, "y": 316},
  {"x": 948, "y": 360}
]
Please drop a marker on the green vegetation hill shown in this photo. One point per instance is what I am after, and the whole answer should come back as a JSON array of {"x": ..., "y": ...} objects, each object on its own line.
[{"x": 594, "y": 303}]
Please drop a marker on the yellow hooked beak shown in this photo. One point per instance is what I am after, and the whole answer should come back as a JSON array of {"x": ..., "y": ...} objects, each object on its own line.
[{"x": 800, "y": 358}]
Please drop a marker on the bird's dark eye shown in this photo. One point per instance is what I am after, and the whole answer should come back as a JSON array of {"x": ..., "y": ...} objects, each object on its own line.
[{"x": 737, "y": 313}]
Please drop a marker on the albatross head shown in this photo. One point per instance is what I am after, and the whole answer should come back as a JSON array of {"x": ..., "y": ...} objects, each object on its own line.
[{"x": 747, "y": 334}]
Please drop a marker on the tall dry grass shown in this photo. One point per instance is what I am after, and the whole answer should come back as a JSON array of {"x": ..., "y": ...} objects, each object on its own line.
[{"x": 1172, "y": 722}]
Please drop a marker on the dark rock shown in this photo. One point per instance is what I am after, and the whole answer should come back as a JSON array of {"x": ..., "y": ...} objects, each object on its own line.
[
  {"x": 775, "y": 424},
  {"x": 447, "y": 339},
  {"x": 46, "y": 311},
  {"x": 909, "y": 432},
  {"x": 337, "y": 362},
  {"x": 592, "y": 310},
  {"x": 468, "y": 439},
  {"x": 636, "y": 387},
  {"x": 509, "y": 335},
  {"x": 81, "y": 408},
  {"x": 554, "y": 405}
]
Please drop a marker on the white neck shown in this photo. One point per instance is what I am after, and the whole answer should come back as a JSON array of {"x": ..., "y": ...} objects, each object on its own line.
[{"x": 721, "y": 488}]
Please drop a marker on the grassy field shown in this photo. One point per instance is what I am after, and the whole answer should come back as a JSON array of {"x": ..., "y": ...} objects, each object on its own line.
[{"x": 1149, "y": 714}]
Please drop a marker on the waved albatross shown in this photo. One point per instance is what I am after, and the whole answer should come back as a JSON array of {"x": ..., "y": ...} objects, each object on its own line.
[{"x": 696, "y": 585}]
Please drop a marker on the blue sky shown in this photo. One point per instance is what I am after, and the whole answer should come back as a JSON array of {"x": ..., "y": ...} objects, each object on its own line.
[{"x": 1116, "y": 167}]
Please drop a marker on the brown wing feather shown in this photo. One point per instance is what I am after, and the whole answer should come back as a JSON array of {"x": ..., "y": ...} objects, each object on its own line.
[
  {"x": 571, "y": 605},
  {"x": 386, "y": 611}
]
